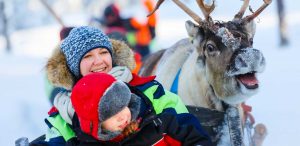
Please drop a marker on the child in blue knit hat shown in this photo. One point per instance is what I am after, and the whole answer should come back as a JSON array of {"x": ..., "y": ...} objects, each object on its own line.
[{"x": 88, "y": 50}]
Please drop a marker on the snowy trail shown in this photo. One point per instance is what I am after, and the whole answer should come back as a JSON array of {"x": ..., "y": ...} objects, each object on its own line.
[{"x": 24, "y": 103}]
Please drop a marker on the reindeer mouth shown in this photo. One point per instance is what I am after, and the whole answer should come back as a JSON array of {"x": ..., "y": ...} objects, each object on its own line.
[{"x": 249, "y": 80}]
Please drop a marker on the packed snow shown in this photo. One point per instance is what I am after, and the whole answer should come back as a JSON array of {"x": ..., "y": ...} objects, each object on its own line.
[{"x": 22, "y": 76}]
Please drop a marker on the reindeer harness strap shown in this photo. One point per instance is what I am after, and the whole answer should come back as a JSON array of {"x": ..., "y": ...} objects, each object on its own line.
[{"x": 174, "y": 87}]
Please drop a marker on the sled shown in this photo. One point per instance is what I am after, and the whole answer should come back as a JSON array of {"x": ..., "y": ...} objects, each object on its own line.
[{"x": 210, "y": 120}]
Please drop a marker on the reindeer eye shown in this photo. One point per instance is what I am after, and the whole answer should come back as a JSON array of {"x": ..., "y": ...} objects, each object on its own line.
[
  {"x": 251, "y": 41},
  {"x": 210, "y": 48}
]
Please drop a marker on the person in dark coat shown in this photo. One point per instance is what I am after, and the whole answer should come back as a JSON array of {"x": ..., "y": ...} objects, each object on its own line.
[{"x": 137, "y": 33}]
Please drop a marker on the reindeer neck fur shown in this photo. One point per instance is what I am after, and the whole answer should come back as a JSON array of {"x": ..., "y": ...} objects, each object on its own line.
[
  {"x": 172, "y": 61},
  {"x": 193, "y": 86}
]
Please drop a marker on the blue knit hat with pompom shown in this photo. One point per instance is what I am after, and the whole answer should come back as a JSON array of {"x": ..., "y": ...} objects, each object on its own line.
[{"x": 79, "y": 42}]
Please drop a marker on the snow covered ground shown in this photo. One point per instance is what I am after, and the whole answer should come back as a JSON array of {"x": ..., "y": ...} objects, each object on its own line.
[{"x": 24, "y": 103}]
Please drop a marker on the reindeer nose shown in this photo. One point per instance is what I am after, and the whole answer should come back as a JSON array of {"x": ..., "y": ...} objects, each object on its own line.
[{"x": 246, "y": 60}]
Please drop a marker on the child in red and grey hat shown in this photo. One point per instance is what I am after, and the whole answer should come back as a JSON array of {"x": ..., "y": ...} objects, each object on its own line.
[{"x": 107, "y": 113}]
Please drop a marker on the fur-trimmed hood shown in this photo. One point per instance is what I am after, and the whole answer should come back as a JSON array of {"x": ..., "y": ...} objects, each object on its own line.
[{"x": 59, "y": 75}]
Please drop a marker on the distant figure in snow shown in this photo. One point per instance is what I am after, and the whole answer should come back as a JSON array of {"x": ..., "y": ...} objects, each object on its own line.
[
  {"x": 138, "y": 33},
  {"x": 282, "y": 23},
  {"x": 4, "y": 28}
]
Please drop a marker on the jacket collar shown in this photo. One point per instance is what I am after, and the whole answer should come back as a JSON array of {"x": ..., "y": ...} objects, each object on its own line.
[{"x": 137, "y": 80}]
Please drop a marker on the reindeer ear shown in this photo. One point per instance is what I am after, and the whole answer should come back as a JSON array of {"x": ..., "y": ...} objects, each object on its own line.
[
  {"x": 195, "y": 33},
  {"x": 191, "y": 28},
  {"x": 250, "y": 28}
]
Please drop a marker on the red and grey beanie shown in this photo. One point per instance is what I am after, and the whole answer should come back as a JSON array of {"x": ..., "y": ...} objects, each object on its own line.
[{"x": 97, "y": 97}]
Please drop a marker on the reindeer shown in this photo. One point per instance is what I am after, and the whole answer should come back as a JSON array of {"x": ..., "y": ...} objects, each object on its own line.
[{"x": 215, "y": 68}]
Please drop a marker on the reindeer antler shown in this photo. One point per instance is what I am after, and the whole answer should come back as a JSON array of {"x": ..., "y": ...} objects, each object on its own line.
[
  {"x": 188, "y": 11},
  {"x": 257, "y": 12},
  {"x": 183, "y": 7},
  {"x": 206, "y": 9},
  {"x": 240, "y": 14},
  {"x": 156, "y": 7}
]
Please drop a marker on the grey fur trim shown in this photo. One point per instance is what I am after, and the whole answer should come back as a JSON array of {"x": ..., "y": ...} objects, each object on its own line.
[
  {"x": 122, "y": 54},
  {"x": 106, "y": 135},
  {"x": 114, "y": 99},
  {"x": 57, "y": 70},
  {"x": 134, "y": 106}
]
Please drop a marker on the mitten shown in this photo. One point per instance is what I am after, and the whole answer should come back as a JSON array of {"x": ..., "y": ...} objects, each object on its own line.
[{"x": 64, "y": 106}]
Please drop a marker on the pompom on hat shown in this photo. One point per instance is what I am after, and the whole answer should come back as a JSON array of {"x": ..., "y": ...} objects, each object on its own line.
[
  {"x": 80, "y": 41},
  {"x": 97, "y": 97},
  {"x": 64, "y": 32}
]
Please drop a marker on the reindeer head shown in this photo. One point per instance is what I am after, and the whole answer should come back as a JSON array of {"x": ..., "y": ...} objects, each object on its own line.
[{"x": 225, "y": 51}]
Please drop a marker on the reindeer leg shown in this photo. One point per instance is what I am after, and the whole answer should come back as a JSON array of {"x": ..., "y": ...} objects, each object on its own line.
[{"x": 260, "y": 133}]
